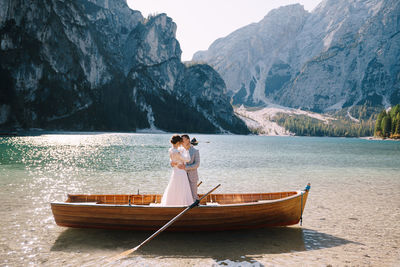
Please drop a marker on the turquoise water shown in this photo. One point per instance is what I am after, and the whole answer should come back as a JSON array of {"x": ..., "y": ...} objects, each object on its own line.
[
  {"x": 36, "y": 170},
  {"x": 124, "y": 163}
]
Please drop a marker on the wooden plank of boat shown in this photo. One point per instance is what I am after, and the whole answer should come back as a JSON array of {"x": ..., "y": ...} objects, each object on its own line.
[
  {"x": 216, "y": 212},
  {"x": 193, "y": 205}
]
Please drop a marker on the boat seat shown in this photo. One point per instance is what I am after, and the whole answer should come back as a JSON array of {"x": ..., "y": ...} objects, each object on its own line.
[
  {"x": 212, "y": 203},
  {"x": 80, "y": 203}
]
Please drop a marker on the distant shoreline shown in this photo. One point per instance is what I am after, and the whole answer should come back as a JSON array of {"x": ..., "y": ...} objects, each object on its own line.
[
  {"x": 378, "y": 138},
  {"x": 37, "y": 132},
  {"x": 41, "y": 132}
]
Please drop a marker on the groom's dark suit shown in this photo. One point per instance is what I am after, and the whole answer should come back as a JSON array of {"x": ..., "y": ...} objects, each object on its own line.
[{"x": 191, "y": 169}]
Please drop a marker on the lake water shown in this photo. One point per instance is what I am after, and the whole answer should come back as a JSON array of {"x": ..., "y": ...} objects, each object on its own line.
[{"x": 351, "y": 217}]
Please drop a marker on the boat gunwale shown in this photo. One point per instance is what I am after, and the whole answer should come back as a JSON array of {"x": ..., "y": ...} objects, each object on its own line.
[{"x": 260, "y": 202}]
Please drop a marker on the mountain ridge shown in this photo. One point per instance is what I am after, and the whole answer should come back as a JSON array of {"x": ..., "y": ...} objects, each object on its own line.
[{"x": 341, "y": 54}]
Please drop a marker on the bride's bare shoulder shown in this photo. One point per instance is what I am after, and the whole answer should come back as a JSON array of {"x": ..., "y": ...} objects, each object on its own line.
[{"x": 173, "y": 150}]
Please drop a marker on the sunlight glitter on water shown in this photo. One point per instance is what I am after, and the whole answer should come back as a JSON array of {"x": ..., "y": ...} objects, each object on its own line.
[{"x": 36, "y": 170}]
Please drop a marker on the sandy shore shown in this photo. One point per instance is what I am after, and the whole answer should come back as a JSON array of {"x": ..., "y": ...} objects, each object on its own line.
[{"x": 341, "y": 227}]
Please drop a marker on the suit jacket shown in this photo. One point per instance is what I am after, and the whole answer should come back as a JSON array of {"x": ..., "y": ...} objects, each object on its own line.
[{"x": 193, "y": 164}]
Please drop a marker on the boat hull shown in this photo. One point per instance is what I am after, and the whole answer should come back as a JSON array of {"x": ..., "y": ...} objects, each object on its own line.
[{"x": 267, "y": 213}]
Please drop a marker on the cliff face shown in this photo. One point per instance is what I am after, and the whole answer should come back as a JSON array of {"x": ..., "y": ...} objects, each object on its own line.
[
  {"x": 245, "y": 57},
  {"x": 207, "y": 91},
  {"x": 342, "y": 54},
  {"x": 98, "y": 65}
]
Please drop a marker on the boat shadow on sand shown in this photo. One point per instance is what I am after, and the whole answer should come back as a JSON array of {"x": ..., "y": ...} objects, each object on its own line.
[{"x": 236, "y": 246}]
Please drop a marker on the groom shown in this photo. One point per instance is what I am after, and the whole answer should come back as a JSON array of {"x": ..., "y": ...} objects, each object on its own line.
[{"x": 192, "y": 165}]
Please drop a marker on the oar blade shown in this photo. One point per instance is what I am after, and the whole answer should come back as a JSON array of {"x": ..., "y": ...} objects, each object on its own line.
[
  {"x": 123, "y": 254},
  {"x": 136, "y": 248}
]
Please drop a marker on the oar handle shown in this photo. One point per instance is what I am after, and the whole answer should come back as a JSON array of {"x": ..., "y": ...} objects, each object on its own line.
[
  {"x": 209, "y": 192},
  {"x": 196, "y": 203}
]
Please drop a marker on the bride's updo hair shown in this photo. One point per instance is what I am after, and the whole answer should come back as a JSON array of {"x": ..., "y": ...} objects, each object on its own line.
[{"x": 175, "y": 139}]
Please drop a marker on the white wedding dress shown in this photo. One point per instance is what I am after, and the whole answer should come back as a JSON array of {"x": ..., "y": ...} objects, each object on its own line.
[{"x": 178, "y": 192}]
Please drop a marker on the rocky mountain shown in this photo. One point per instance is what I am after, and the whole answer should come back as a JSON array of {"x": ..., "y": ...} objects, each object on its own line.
[
  {"x": 98, "y": 65},
  {"x": 344, "y": 53}
]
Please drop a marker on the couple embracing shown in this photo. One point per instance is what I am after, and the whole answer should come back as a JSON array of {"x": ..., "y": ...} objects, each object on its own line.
[{"x": 184, "y": 159}]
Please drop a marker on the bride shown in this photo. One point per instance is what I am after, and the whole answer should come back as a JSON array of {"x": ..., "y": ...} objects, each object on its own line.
[{"x": 178, "y": 191}]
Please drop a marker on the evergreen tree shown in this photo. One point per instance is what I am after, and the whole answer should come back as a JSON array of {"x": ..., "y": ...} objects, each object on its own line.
[
  {"x": 395, "y": 110},
  {"x": 393, "y": 114},
  {"x": 378, "y": 124},
  {"x": 393, "y": 124},
  {"x": 386, "y": 126},
  {"x": 397, "y": 129}
]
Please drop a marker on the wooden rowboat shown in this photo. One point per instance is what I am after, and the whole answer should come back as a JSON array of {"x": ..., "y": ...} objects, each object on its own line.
[{"x": 216, "y": 212}]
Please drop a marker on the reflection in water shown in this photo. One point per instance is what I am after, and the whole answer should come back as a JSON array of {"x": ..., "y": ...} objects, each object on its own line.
[{"x": 224, "y": 247}]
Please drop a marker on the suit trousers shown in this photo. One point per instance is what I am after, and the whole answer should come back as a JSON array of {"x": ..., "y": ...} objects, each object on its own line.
[{"x": 193, "y": 180}]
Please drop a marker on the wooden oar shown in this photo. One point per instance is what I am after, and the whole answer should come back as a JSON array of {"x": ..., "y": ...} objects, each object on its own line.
[
  {"x": 199, "y": 183},
  {"x": 195, "y": 204}
]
